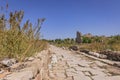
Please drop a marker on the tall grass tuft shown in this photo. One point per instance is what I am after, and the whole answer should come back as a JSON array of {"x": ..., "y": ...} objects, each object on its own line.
[{"x": 17, "y": 40}]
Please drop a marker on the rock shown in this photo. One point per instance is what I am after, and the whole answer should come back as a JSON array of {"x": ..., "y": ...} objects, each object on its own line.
[
  {"x": 99, "y": 77},
  {"x": 116, "y": 64},
  {"x": 84, "y": 50},
  {"x": 1, "y": 71},
  {"x": 17, "y": 67},
  {"x": 111, "y": 55},
  {"x": 63, "y": 48},
  {"x": 23, "y": 75},
  {"x": 102, "y": 56},
  {"x": 53, "y": 59},
  {"x": 113, "y": 78},
  {"x": 87, "y": 73},
  {"x": 81, "y": 78},
  {"x": 31, "y": 58},
  {"x": 51, "y": 75},
  {"x": 8, "y": 62},
  {"x": 38, "y": 77},
  {"x": 94, "y": 54},
  {"x": 60, "y": 74},
  {"x": 4, "y": 74},
  {"x": 75, "y": 48},
  {"x": 50, "y": 66}
]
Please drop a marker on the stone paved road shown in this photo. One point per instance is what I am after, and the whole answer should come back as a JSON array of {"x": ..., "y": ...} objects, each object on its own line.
[{"x": 67, "y": 65}]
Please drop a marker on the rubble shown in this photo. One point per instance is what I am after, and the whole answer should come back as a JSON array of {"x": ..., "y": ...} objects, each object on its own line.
[
  {"x": 74, "y": 48},
  {"x": 111, "y": 55},
  {"x": 8, "y": 62}
]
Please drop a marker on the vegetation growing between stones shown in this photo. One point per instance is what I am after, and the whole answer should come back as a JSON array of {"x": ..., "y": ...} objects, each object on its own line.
[{"x": 18, "y": 40}]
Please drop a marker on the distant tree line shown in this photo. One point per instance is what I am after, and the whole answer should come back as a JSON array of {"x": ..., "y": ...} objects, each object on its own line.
[{"x": 91, "y": 42}]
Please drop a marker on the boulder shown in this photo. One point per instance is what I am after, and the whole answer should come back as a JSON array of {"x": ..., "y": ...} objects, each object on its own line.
[
  {"x": 84, "y": 50},
  {"x": 8, "y": 62},
  {"x": 102, "y": 56},
  {"x": 74, "y": 48},
  {"x": 111, "y": 55}
]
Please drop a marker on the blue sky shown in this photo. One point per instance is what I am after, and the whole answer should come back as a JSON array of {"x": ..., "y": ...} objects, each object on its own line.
[{"x": 65, "y": 17}]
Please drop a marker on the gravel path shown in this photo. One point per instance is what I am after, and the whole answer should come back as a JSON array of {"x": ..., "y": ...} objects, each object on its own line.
[{"x": 67, "y": 65}]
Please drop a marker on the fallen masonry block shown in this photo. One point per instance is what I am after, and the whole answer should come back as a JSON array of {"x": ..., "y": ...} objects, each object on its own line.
[
  {"x": 111, "y": 55},
  {"x": 8, "y": 62},
  {"x": 102, "y": 56},
  {"x": 84, "y": 50},
  {"x": 75, "y": 48}
]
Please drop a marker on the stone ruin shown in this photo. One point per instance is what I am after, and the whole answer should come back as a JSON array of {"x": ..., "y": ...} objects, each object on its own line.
[{"x": 78, "y": 37}]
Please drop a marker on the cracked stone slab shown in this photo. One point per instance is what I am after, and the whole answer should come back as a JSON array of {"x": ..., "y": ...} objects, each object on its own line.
[
  {"x": 99, "y": 77},
  {"x": 87, "y": 73},
  {"x": 96, "y": 72},
  {"x": 79, "y": 77},
  {"x": 80, "y": 67},
  {"x": 83, "y": 63},
  {"x": 68, "y": 74},
  {"x": 62, "y": 75},
  {"x": 100, "y": 63},
  {"x": 113, "y": 78},
  {"x": 21, "y": 75}
]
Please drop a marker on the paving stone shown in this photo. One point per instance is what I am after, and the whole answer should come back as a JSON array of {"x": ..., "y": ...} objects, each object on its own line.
[
  {"x": 82, "y": 68},
  {"x": 87, "y": 73},
  {"x": 71, "y": 64},
  {"x": 79, "y": 67},
  {"x": 63, "y": 63},
  {"x": 51, "y": 75},
  {"x": 69, "y": 78},
  {"x": 62, "y": 75},
  {"x": 113, "y": 78},
  {"x": 100, "y": 63},
  {"x": 99, "y": 77},
  {"x": 20, "y": 76},
  {"x": 71, "y": 74},
  {"x": 98, "y": 68},
  {"x": 38, "y": 77},
  {"x": 59, "y": 71},
  {"x": 2, "y": 75},
  {"x": 83, "y": 63},
  {"x": 70, "y": 70},
  {"x": 96, "y": 72},
  {"x": 79, "y": 77}
]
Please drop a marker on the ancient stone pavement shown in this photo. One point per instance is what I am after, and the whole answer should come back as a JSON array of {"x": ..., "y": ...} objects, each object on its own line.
[{"x": 67, "y": 65}]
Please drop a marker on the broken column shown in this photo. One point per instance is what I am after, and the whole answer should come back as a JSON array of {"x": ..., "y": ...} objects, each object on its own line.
[{"x": 78, "y": 37}]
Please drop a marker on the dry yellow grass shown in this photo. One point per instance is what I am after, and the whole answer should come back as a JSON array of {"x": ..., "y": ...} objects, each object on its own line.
[{"x": 18, "y": 41}]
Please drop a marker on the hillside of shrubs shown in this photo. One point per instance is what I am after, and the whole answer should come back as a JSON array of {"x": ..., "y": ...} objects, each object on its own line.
[
  {"x": 93, "y": 43},
  {"x": 19, "y": 39}
]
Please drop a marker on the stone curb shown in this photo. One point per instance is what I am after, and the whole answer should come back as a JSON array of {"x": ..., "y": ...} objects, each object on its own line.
[{"x": 113, "y": 63}]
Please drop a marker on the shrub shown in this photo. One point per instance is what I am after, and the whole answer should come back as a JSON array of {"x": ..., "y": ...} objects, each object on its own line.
[{"x": 17, "y": 41}]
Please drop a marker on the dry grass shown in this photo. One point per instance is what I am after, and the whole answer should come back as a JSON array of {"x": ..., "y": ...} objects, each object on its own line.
[
  {"x": 18, "y": 41},
  {"x": 97, "y": 43},
  {"x": 101, "y": 46}
]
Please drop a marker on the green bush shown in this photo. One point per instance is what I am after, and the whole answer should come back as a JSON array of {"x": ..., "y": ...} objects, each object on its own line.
[{"x": 86, "y": 40}]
